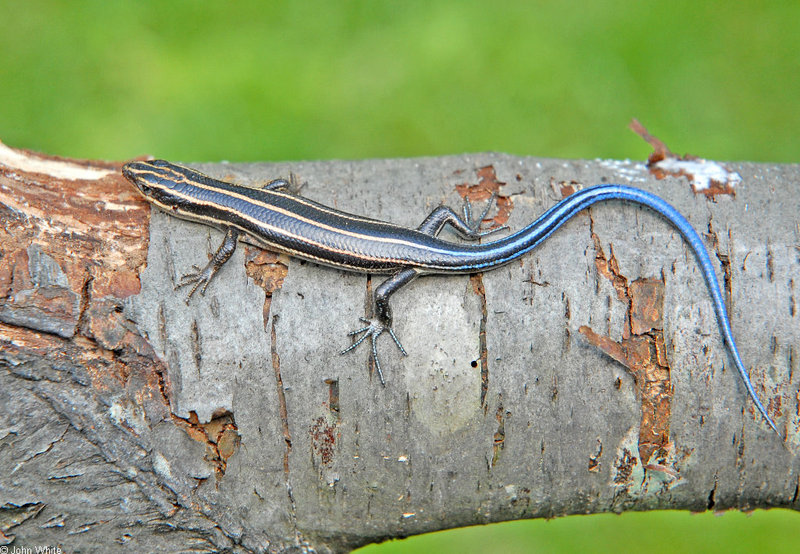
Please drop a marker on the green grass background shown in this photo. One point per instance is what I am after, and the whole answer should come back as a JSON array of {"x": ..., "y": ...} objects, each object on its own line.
[{"x": 247, "y": 80}]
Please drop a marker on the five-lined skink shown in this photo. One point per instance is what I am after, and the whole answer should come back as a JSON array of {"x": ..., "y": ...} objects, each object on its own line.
[{"x": 276, "y": 219}]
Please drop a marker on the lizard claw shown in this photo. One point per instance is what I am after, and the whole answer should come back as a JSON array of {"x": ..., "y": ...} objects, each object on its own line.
[
  {"x": 373, "y": 330},
  {"x": 476, "y": 225},
  {"x": 198, "y": 278}
]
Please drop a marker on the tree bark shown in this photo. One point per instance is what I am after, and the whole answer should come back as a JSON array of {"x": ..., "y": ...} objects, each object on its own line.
[{"x": 589, "y": 376}]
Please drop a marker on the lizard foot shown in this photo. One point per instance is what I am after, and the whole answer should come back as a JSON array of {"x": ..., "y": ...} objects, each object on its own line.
[
  {"x": 373, "y": 330},
  {"x": 476, "y": 225},
  {"x": 199, "y": 278}
]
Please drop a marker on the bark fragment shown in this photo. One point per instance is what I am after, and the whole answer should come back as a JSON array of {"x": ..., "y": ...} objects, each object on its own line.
[{"x": 641, "y": 351}]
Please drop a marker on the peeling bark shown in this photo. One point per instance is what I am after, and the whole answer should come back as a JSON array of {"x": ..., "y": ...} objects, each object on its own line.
[{"x": 131, "y": 418}]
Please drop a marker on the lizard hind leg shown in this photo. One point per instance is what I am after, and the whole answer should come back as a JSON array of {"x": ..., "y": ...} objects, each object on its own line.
[
  {"x": 465, "y": 226},
  {"x": 381, "y": 321},
  {"x": 382, "y": 318}
]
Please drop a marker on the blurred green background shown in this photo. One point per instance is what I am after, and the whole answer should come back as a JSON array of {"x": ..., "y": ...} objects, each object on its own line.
[
  {"x": 257, "y": 81},
  {"x": 253, "y": 80}
]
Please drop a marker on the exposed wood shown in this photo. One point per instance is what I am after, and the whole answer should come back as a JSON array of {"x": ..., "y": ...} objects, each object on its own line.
[{"x": 588, "y": 377}]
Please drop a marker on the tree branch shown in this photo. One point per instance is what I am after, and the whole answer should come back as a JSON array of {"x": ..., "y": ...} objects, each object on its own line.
[{"x": 590, "y": 376}]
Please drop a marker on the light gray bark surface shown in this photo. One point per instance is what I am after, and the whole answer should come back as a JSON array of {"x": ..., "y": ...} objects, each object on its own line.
[{"x": 547, "y": 427}]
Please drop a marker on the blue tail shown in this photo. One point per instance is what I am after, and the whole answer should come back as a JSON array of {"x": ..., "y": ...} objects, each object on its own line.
[{"x": 513, "y": 246}]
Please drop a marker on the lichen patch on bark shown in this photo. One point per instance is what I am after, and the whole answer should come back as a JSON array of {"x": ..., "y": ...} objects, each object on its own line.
[{"x": 706, "y": 176}]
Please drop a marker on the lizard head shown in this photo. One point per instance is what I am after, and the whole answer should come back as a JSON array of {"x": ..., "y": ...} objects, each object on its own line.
[{"x": 159, "y": 181}]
